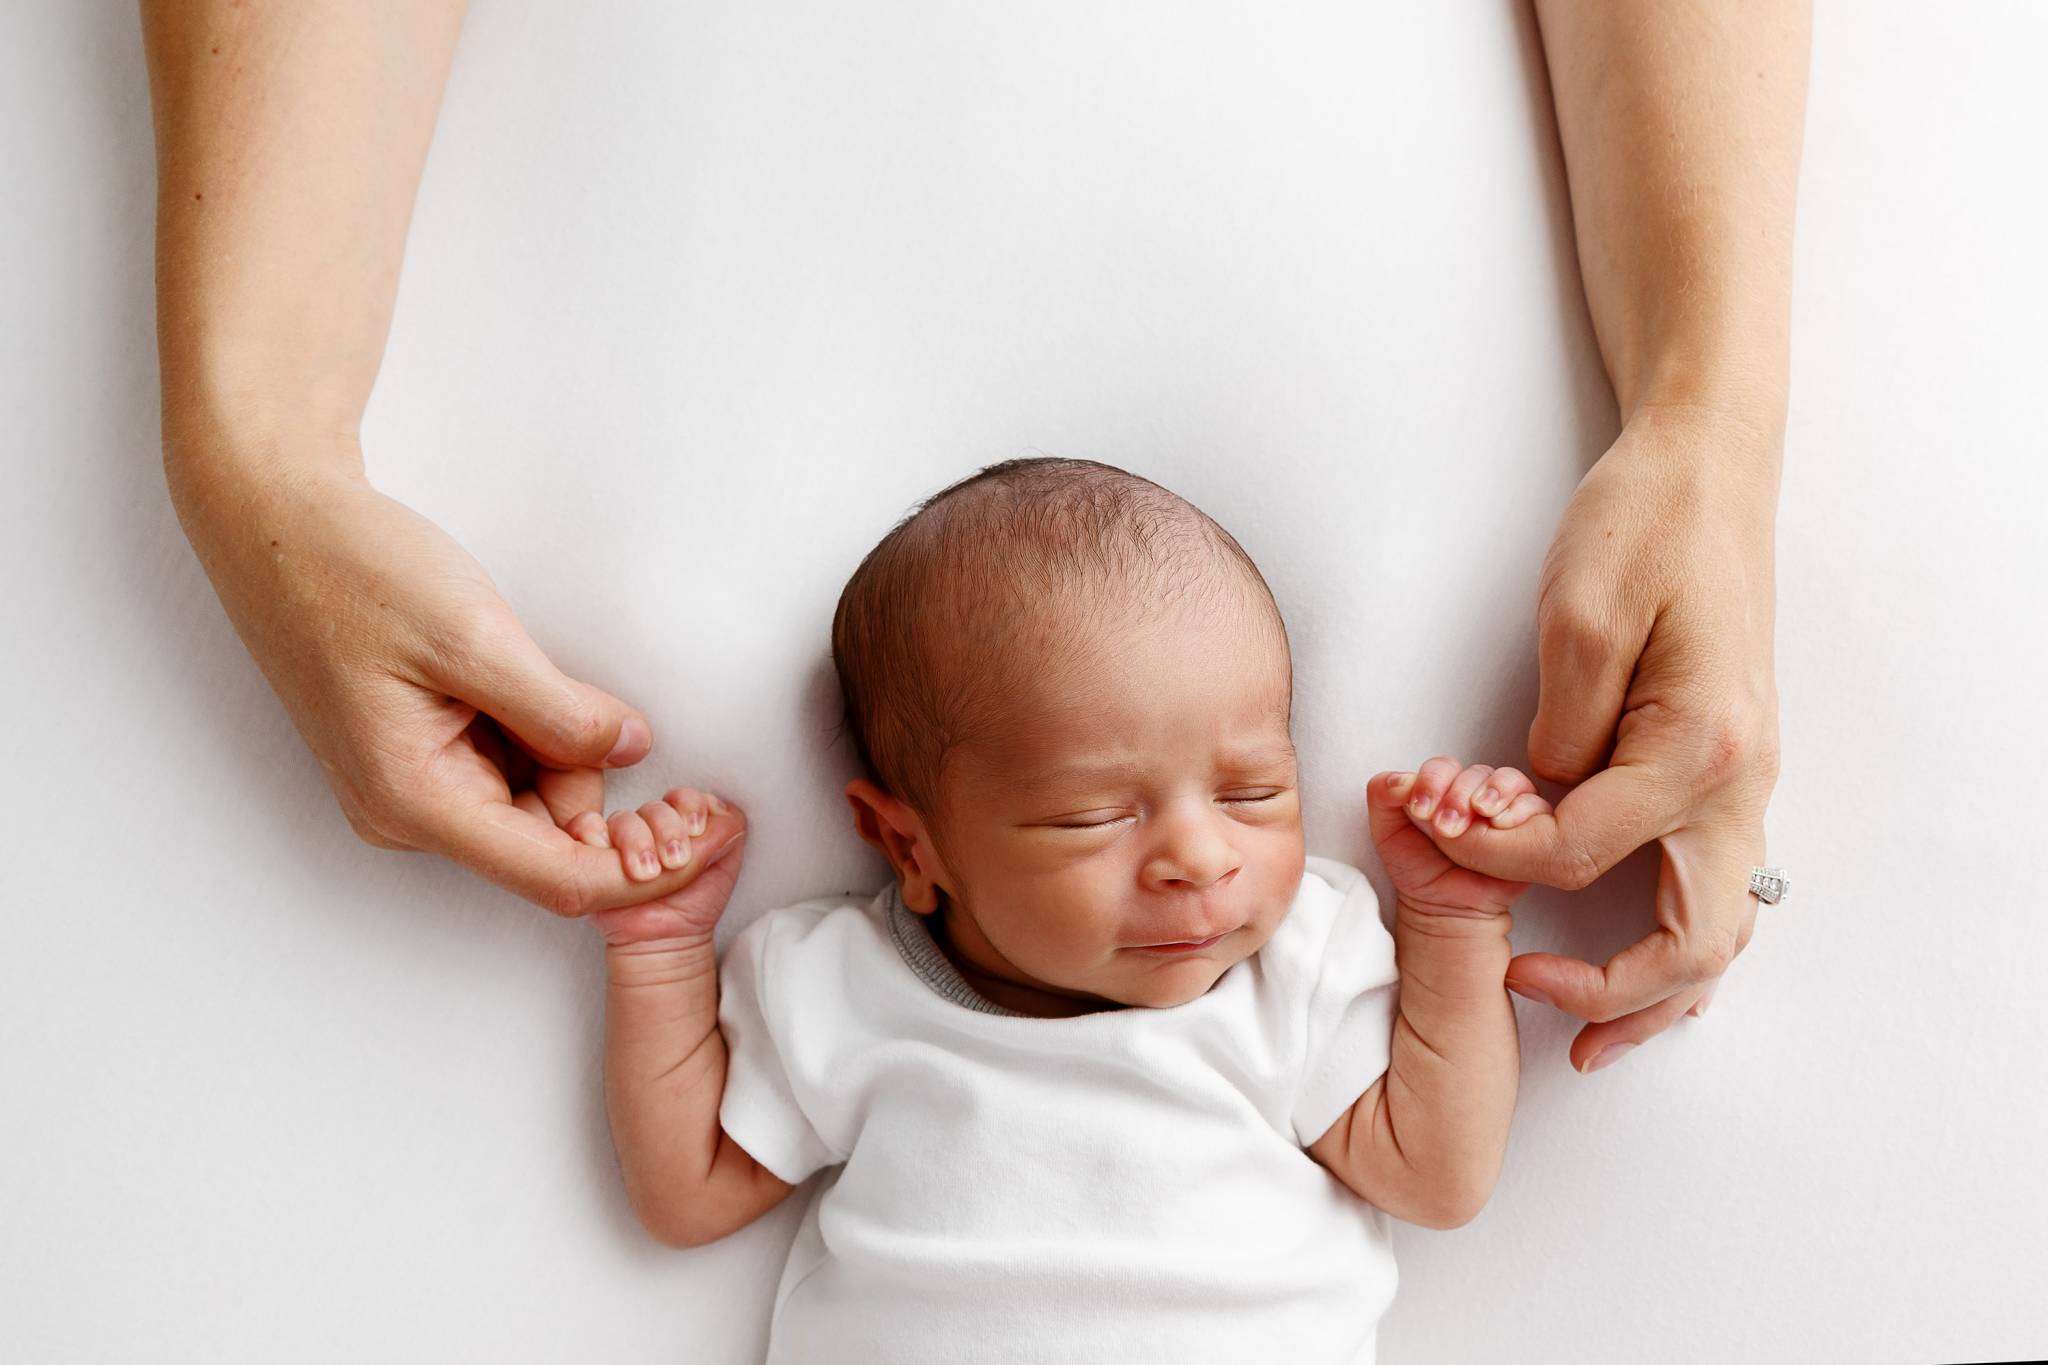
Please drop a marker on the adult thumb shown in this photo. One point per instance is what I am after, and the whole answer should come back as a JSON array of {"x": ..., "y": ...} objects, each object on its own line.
[{"x": 562, "y": 722}]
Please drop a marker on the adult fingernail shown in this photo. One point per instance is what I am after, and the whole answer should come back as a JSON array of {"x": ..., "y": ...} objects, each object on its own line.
[
  {"x": 1532, "y": 993},
  {"x": 1700, "y": 1006},
  {"x": 1608, "y": 1056},
  {"x": 634, "y": 742}
]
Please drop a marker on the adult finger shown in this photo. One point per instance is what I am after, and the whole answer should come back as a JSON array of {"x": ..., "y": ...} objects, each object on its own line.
[
  {"x": 531, "y": 858},
  {"x": 1585, "y": 657},
  {"x": 1705, "y": 915},
  {"x": 562, "y": 722},
  {"x": 1607, "y": 1044},
  {"x": 1599, "y": 822}
]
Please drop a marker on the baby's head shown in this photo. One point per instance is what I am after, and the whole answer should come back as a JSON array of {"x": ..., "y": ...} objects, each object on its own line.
[{"x": 1072, "y": 694}]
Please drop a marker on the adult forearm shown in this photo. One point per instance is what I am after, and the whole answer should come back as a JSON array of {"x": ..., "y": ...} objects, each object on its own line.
[
  {"x": 290, "y": 141},
  {"x": 1682, "y": 127}
]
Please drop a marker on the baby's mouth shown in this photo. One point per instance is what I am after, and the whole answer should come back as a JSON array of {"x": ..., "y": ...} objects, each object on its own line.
[{"x": 1184, "y": 947}]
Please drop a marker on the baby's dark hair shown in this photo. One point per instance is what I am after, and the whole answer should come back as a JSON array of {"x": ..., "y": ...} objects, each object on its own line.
[{"x": 994, "y": 573}]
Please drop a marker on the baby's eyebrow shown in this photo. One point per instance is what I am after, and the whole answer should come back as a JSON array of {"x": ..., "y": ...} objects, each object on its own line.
[
  {"x": 1072, "y": 772},
  {"x": 1124, "y": 765}
]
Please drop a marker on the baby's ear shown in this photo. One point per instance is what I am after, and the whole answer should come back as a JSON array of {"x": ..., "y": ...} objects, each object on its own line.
[
  {"x": 862, "y": 794},
  {"x": 921, "y": 896},
  {"x": 884, "y": 822},
  {"x": 894, "y": 828}
]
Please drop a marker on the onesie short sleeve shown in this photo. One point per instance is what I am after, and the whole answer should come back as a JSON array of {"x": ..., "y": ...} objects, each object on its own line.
[
  {"x": 763, "y": 1011},
  {"x": 1350, "y": 1012}
]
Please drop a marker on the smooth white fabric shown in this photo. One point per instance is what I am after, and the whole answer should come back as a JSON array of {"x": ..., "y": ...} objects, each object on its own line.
[{"x": 1128, "y": 1185}]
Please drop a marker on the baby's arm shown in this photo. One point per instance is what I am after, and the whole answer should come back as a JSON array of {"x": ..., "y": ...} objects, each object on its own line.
[
  {"x": 1425, "y": 1142},
  {"x": 664, "y": 1057}
]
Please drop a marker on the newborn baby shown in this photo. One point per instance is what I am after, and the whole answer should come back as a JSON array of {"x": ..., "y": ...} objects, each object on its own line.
[{"x": 1112, "y": 1070}]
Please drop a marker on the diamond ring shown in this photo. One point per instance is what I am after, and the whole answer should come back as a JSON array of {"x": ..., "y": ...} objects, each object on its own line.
[{"x": 1769, "y": 884}]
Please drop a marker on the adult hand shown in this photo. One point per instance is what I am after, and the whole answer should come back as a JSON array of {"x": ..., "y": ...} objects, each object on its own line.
[
  {"x": 1655, "y": 622},
  {"x": 438, "y": 722}
]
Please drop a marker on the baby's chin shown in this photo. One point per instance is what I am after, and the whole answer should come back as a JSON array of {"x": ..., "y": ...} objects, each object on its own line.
[{"x": 1175, "y": 985}]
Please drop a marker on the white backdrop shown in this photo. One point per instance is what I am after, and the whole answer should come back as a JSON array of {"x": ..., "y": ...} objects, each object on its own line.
[{"x": 699, "y": 298}]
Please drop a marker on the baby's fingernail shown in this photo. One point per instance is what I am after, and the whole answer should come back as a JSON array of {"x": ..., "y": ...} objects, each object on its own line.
[
  {"x": 698, "y": 820},
  {"x": 645, "y": 865},
  {"x": 1608, "y": 1056},
  {"x": 1422, "y": 805},
  {"x": 1451, "y": 821},
  {"x": 1485, "y": 802},
  {"x": 674, "y": 854},
  {"x": 717, "y": 804},
  {"x": 1400, "y": 782}
]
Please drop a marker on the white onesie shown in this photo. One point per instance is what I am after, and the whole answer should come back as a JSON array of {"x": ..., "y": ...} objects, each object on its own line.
[{"x": 1123, "y": 1186}]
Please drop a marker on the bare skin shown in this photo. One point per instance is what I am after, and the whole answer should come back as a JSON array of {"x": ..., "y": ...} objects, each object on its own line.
[
  {"x": 290, "y": 141},
  {"x": 1058, "y": 872},
  {"x": 289, "y": 145},
  {"x": 1682, "y": 128}
]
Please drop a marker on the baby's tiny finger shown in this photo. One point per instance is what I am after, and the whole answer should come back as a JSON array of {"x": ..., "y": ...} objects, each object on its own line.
[
  {"x": 694, "y": 806},
  {"x": 635, "y": 843},
  {"x": 1503, "y": 785},
  {"x": 1431, "y": 780},
  {"x": 588, "y": 827},
  {"x": 1454, "y": 811},
  {"x": 671, "y": 837},
  {"x": 1519, "y": 810}
]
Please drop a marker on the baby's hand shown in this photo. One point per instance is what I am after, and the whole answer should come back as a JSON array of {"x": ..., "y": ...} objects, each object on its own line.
[
  {"x": 1417, "y": 819},
  {"x": 686, "y": 826}
]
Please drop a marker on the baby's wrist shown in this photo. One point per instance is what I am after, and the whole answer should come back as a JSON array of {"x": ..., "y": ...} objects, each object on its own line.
[
  {"x": 641, "y": 957},
  {"x": 654, "y": 927},
  {"x": 1461, "y": 920}
]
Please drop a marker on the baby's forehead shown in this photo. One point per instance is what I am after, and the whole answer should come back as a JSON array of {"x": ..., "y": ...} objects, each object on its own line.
[{"x": 1057, "y": 730}]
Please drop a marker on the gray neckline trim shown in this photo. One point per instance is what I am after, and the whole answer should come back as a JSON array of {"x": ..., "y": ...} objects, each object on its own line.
[{"x": 922, "y": 954}]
